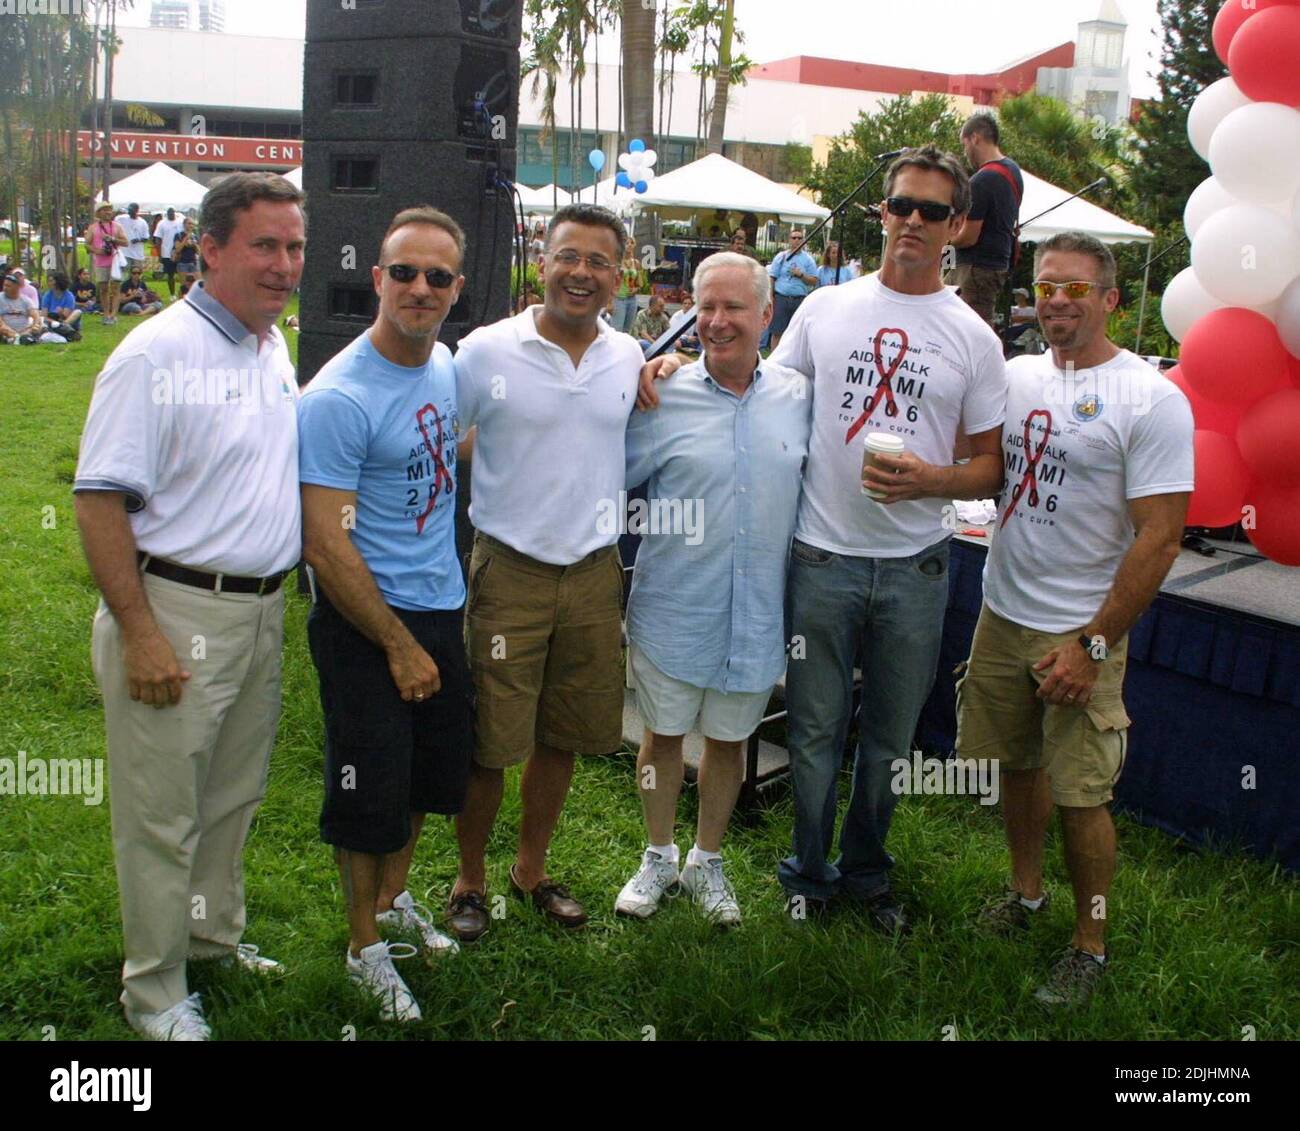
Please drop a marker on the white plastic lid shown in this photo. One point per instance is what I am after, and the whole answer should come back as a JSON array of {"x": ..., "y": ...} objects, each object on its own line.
[{"x": 883, "y": 442}]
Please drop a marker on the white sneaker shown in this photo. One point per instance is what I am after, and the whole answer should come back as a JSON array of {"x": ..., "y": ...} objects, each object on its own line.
[
  {"x": 182, "y": 1022},
  {"x": 641, "y": 894},
  {"x": 711, "y": 891},
  {"x": 375, "y": 973},
  {"x": 407, "y": 915},
  {"x": 246, "y": 956}
]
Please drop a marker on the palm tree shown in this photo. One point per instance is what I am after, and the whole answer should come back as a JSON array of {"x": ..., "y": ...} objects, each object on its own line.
[
  {"x": 718, "y": 119},
  {"x": 638, "y": 38}
]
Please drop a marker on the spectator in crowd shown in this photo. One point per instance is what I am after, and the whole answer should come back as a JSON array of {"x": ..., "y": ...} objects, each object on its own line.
[
  {"x": 704, "y": 617},
  {"x": 794, "y": 275},
  {"x": 136, "y": 297},
  {"x": 530, "y": 297},
  {"x": 631, "y": 281},
  {"x": 25, "y": 287},
  {"x": 20, "y": 320},
  {"x": 136, "y": 228},
  {"x": 1022, "y": 310},
  {"x": 740, "y": 244},
  {"x": 650, "y": 323},
  {"x": 185, "y": 251},
  {"x": 689, "y": 341},
  {"x": 85, "y": 292},
  {"x": 103, "y": 238},
  {"x": 987, "y": 240},
  {"x": 164, "y": 234},
  {"x": 536, "y": 243},
  {"x": 1043, "y": 689},
  {"x": 59, "y": 308},
  {"x": 832, "y": 270}
]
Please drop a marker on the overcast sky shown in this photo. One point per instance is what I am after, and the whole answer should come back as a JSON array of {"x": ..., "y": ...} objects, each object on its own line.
[{"x": 946, "y": 35}]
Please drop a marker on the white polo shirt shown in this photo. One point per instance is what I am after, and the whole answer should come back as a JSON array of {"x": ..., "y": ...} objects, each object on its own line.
[
  {"x": 549, "y": 457},
  {"x": 198, "y": 428},
  {"x": 137, "y": 231}
]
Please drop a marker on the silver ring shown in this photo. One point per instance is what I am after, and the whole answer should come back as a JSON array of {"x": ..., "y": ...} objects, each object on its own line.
[{"x": 419, "y": 694}]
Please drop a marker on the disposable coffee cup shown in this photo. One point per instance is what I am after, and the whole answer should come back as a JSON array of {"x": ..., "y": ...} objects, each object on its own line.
[{"x": 878, "y": 444}]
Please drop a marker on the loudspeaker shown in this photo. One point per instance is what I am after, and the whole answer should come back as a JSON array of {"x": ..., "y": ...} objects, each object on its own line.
[{"x": 405, "y": 102}]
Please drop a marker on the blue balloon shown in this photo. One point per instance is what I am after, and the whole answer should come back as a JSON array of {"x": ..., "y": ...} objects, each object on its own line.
[
  {"x": 636, "y": 145},
  {"x": 596, "y": 159},
  {"x": 623, "y": 180},
  {"x": 641, "y": 186}
]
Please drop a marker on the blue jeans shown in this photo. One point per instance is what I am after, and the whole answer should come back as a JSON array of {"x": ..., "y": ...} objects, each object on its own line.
[
  {"x": 625, "y": 313},
  {"x": 889, "y": 612}
]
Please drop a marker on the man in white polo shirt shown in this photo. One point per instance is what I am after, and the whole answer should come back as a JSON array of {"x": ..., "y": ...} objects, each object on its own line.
[
  {"x": 136, "y": 228},
  {"x": 550, "y": 391},
  {"x": 187, "y": 501}
]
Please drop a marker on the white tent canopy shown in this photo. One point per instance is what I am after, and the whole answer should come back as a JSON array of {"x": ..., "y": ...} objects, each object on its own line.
[
  {"x": 294, "y": 177},
  {"x": 1078, "y": 215},
  {"x": 715, "y": 183},
  {"x": 157, "y": 188},
  {"x": 542, "y": 201}
]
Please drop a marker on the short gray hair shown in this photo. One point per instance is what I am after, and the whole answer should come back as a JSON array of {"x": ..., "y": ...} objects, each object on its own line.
[
  {"x": 719, "y": 259},
  {"x": 1085, "y": 245}
]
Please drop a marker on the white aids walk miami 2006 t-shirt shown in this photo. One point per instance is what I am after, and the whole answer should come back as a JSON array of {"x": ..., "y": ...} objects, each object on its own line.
[
  {"x": 1078, "y": 445},
  {"x": 918, "y": 367}
]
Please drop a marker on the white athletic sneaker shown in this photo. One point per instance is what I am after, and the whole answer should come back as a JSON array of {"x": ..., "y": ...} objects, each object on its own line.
[
  {"x": 247, "y": 957},
  {"x": 711, "y": 891},
  {"x": 375, "y": 973},
  {"x": 407, "y": 915},
  {"x": 641, "y": 894},
  {"x": 182, "y": 1022}
]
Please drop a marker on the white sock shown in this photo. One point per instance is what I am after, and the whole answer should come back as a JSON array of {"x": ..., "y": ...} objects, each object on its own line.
[
  {"x": 697, "y": 855},
  {"x": 667, "y": 852},
  {"x": 1033, "y": 904}
]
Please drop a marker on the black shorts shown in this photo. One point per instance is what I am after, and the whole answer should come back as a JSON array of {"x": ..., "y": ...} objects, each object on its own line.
[
  {"x": 168, "y": 266},
  {"x": 386, "y": 758}
]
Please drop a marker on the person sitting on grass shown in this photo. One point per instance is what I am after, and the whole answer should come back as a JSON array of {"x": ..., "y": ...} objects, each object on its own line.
[
  {"x": 84, "y": 292},
  {"x": 691, "y": 340},
  {"x": 59, "y": 308},
  {"x": 650, "y": 324},
  {"x": 136, "y": 297}
]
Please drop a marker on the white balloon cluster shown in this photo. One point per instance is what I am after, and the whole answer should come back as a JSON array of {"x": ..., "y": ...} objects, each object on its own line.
[
  {"x": 636, "y": 166},
  {"x": 1244, "y": 221}
]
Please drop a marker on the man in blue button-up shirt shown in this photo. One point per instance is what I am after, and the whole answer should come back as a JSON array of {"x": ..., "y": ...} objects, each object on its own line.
[
  {"x": 724, "y": 458},
  {"x": 794, "y": 277}
]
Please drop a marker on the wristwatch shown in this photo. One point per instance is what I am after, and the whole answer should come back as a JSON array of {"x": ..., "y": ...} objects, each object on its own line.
[{"x": 1095, "y": 646}]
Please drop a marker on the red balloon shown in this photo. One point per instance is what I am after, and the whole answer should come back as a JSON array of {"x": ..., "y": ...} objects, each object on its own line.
[
  {"x": 1274, "y": 524},
  {"x": 1266, "y": 438},
  {"x": 1222, "y": 480},
  {"x": 1265, "y": 56},
  {"x": 1232, "y": 15},
  {"x": 1235, "y": 355},
  {"x": 1211, "y": 416}
]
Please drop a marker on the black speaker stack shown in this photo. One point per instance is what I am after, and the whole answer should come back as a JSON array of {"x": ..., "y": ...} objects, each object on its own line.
[{"x": 405, "y": 102}]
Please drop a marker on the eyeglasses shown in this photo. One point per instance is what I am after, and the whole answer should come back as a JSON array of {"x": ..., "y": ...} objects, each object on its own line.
[
  {"x": 436, "y": 277},
  {"x": 572, "y": 259},
  {"x": 1078, "y": 288},
  {"x": 930, "y": 210}
]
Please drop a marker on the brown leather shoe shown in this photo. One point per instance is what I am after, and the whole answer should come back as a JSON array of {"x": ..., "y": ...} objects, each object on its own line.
[
  {"x": 553, "y": 900},
  {"x": 467, "y": 915}
]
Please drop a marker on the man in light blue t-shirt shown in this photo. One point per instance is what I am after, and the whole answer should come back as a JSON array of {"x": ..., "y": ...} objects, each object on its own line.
[
  {"x": 377, "y": 460},
  {"x": 794, "y": 275}
]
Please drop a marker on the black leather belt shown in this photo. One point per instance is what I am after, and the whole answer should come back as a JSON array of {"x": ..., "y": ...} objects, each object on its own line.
[{"x": 200, "y": 579}]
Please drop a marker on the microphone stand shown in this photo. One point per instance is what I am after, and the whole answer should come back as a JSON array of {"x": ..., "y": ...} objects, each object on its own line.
[{"x": 668, "y": 338}]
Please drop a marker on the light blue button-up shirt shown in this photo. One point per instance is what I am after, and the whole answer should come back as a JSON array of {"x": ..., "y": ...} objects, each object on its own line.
[{"x": 724, "y": 476}]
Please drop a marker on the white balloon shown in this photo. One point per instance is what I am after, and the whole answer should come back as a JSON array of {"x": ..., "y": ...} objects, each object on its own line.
[
  {"x": 649, "y": 157},
  {"x": 1245, "y": 254},
  {"x": 1288, "y": 317},
  {"x": 647, "y": 175},
  {"x": 1185, "y": 302},
  {"x": 1211, "y": 106},
  {"x": 1206, "y": 199},
  {"x": 1255, "y": 152},
  {"x": 624, "y": 160}
]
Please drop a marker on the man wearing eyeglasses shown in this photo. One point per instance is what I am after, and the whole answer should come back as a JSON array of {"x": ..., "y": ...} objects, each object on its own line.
[
  {"x": 896, "y": 353},
  {"x": 379, "y": 430},
  {"x": 1098, "y": 454},
  {"x": 794, "y": 275},
  {"x": 550, "y": 391}
]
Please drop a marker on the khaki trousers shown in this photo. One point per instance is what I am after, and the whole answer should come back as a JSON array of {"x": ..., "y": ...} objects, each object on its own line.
[{"x": 185, "y": 780}]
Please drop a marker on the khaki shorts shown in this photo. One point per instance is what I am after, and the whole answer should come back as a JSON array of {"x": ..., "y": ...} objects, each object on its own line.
[
  {"x": 546, "y": 652},
  {"x": 1000, "y": 716},
  {"x": 102, "y": 274},
  {"x": 979, "y": 287}
]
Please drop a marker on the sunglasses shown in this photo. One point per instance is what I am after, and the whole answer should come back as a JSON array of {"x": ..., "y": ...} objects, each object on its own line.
[
  {"x": 930, "y": 210},
  {"x": 436, "y": 277},
  {"x": 1079, "y": 288}
]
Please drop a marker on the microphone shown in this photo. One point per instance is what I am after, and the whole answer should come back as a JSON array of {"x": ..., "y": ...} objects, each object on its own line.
[{"x": 891, "y": 154}]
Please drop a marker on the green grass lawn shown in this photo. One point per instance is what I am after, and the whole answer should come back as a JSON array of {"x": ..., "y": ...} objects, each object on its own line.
[{"x": 1201, "y": 945}]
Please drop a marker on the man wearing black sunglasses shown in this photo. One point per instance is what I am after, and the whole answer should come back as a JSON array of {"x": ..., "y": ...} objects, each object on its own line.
[
  {"x": 896, "y": 353},
  {"x": 379, "y": 429}
]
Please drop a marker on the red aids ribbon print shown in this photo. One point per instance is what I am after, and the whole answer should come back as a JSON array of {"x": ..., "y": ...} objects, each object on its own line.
[
  {"x": 434, "y": 448},
  {"x": 1033, "y": 456},
  {"x": 883, "y": 388}
]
